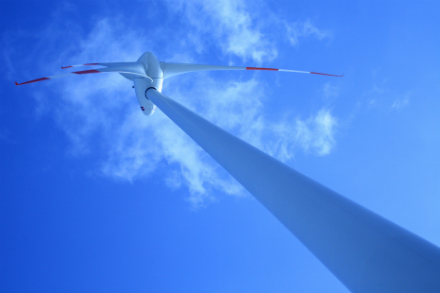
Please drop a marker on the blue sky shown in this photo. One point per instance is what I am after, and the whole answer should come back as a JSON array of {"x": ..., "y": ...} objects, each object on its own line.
[{"x": 96, "y": 197}]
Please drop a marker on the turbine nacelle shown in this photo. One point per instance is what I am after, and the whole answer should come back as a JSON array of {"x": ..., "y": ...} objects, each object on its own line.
[{"x": 153, "y": 69}]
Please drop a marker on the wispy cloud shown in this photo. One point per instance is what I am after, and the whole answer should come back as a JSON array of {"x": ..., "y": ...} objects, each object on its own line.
[
  {"x": 100, "y": 115},
  {"x": 381, "y": 95},
  {"x": 238, "y": 31},
  {"x": 329, "y": 90},
  {"x": 299, "y": 30},
  {"x": 401, "y": 102},
  {"x": 240, "y": 108},
  {"x": 232, "y": 26},
  {"x": 141, "y": 145},
  {"x": 316, "y": 134}
]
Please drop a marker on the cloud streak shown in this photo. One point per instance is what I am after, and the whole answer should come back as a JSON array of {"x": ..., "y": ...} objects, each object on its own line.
[
  {"x": 300, "y": 30},
  {"x": 232, "y": 26},
  {"x": 100, "y": 115},
  {"x": 401, "y": 102}
]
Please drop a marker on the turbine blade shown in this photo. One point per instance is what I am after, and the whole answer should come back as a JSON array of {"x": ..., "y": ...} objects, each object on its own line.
[
  {"x": 172, "y": 69},
  {"x": 134, "y": 68},
  {"x": 87, "y": 64},
  {"x": 108, "y": 64},
  {"x": 290, "y": 70},
  {"x": 59, "y": 75}
]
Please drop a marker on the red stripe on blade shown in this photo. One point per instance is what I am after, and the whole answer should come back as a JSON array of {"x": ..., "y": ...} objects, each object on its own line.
[
  {"x": 64, "y": 67},
  {"x": 31, "y": 81},
  {"x": 259, "y": 68},
  {"x": 87, "y": 71},
  {"x": 326, "y": 74},
  {"x": 91, "y": 64}
]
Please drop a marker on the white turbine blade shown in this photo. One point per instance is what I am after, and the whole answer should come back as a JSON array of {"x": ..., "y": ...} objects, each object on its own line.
[
  {"x": 290, "y": 70},
  {"x": 132, "y": 68},
  {"x": 108, "y": 64},
  {"x": 78, "y": 65},
  {"x": 172, "y": 69}
]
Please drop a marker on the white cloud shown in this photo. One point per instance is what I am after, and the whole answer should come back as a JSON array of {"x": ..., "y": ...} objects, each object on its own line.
[
  {"x": 316, "y": 134},
  {"x": 330, "y": 91},
  {"x": 100, "y": 115},
  {"x": 298, "y": 30},
  {"x": 231, "y": 24},
  {"x": 141, "y": 144},
  {"x": 401, "y": 102},
  {"x": 238, "y": 33},
  {"x": 380, "y": 95},
  {"x": 239, "y": 108}
]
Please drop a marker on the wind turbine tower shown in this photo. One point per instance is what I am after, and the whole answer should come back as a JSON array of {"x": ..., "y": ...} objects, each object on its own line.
[{"x": 365, "y": 251}]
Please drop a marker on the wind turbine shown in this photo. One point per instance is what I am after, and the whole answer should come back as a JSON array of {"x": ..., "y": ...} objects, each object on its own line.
[
  {"x": 148, "y": 72},
  {"x": 365, "y": 251}
]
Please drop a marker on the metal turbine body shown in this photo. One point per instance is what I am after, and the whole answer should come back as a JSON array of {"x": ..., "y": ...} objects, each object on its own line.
[
  {"x": 365, "y": 251},
  {"x": 148, "y": 72}
]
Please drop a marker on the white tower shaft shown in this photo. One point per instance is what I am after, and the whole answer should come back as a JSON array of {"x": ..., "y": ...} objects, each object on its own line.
[{"x": 366, "y": 252}]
